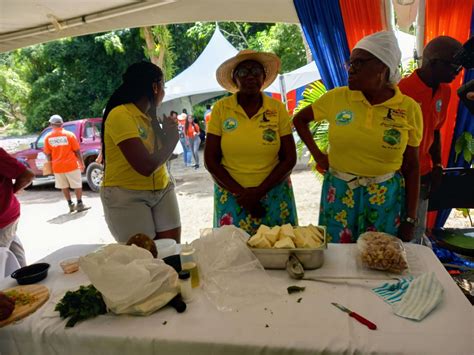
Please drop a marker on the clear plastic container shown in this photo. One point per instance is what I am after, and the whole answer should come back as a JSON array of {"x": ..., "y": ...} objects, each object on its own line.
[
  {"x": 165, "y": 247},
  {"x": 188, "y": 263},
  {"x": 185, "y": 285}
]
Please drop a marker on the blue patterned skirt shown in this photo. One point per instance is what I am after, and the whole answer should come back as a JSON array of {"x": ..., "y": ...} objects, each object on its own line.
[
  {"x": 279, "y": 205},
  {"x": 348, "y": 213}
]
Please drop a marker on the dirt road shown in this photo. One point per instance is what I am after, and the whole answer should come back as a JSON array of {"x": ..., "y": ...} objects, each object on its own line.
[{"x": 46, "y": 225}]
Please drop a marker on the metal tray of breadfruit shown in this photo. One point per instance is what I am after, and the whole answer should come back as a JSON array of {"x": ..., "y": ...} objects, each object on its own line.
[{"x": 276, "y": 258}]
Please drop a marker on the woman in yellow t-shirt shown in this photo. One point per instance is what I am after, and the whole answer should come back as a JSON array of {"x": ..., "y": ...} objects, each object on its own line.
[
  {"x": 250, "y": 151},
  {"x": 136, "y": 193},
  {"x": 372, "y": 177}
]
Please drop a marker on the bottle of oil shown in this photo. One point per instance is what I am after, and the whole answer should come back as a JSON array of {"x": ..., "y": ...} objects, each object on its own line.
[{"x": 188, "y": 263}]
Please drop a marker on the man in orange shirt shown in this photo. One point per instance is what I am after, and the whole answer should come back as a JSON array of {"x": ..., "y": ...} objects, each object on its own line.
[
  {"x": 429, "y": 87},
  {"x": 63, "y": 151}
]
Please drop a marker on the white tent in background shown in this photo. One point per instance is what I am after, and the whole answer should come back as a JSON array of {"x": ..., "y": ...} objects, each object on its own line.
[
  {"x": 198, "y": 82},
  {"x": 297, "y": 78},
  {"x": 407, "y": 44}
]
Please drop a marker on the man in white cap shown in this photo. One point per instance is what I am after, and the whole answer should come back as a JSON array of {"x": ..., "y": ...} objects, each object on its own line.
[{"x": 62, "y": 150}]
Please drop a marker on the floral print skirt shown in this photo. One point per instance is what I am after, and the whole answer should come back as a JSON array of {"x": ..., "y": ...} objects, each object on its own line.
[
  {"x": 279, "y": 204},
  {"x": 348, "y": 213}
]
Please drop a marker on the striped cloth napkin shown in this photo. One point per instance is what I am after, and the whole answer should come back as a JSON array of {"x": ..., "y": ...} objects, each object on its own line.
[
  {"x": 412, "y": 298},
  {"x": 393, "y": 292}
]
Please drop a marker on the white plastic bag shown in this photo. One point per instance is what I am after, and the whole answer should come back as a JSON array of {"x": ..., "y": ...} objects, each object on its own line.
[
  {"x": 231, "y": 275},
  {"x": 130, "y": 279}
]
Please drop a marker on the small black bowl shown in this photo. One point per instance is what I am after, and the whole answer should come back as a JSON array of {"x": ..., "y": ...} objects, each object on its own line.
[{"x": 31, "y": 274}]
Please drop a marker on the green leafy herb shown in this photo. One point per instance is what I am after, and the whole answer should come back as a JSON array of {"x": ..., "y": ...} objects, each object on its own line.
[
  {"x": 294, "y": 289},
  {"x": 82, "y": 304}
]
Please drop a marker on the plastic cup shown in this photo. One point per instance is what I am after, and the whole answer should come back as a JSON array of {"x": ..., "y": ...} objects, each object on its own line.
[{"x": 165, "y": 247}]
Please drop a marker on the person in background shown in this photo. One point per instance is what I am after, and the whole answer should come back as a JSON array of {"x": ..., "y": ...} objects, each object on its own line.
[
  {"x": 371, "y": 179},
  {"x": 429, "y": 87},
  {"x": 174, "y": 116},
  {"x": 63, "y": 151},
  {"x": 250, "y": 151},
  {"x": 11, "y": 169},
  {"x": 137, "y": 193},
  {"x": 182, "y": 118},
  {"x": 192, "y": 132}
]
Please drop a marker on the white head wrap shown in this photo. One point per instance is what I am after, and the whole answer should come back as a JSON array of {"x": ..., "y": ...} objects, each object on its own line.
[{"x": 384, "y": 46}]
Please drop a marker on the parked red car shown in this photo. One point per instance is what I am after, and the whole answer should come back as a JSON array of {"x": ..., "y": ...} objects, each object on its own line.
[{"x": 87, "y": 132}]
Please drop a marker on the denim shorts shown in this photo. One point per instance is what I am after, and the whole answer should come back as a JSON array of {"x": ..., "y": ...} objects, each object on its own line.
[{"x": 129, "y": 212}]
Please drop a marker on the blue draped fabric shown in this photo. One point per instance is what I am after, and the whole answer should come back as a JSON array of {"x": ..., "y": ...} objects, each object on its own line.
[
  {"x": 323, "y": 28},
  {"x": 464, "y": 122}
]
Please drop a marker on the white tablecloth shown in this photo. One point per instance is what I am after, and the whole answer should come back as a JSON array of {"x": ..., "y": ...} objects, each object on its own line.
[{"x": 283, "y": 326}]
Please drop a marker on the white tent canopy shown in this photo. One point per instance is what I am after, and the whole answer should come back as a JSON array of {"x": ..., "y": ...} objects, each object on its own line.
[
  {"x": 198, "y": 82},
  {"x": 200, "y": 77},
  {"x": 27, "y": 22}
]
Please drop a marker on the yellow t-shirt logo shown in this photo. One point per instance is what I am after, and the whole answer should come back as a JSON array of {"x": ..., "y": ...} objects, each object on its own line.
[
  {"x": 230, "y": 124},
  {"x": 344, "y": 117}
]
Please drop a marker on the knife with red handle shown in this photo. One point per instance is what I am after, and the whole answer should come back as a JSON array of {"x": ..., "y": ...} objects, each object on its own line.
[{"x": 359, "y": 318}]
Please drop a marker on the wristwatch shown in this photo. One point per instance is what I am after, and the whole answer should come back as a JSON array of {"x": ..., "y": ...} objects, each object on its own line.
[{"x": 411, "y": 220}]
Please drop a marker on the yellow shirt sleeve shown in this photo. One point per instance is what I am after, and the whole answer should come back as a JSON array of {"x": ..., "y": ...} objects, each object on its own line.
[
  {"x": 120, "y": 125},
  {"x": 415, "y": 119},
  {"x": 322, "y": 106},
  {"x": 214, "y": 125}
]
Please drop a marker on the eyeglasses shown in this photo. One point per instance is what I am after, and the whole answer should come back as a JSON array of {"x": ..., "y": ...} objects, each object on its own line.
[
  {"x": 244, "y": 72},
  {"x": 356, "y": 64},
  {"x": 455, "y": 68}
]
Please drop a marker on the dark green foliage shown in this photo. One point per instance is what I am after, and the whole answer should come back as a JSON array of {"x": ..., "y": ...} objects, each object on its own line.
[
  {"x": 82, "y": 304},
  {"x": 285, "y": 41},
  {"x": 75, "y": 77}
]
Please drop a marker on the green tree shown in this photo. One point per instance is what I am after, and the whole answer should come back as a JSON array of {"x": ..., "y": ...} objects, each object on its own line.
[
  {"x": 13, "y": 93},
  {"x": 158, "y": 48},
  {"x": 285, "y": 41},
  {"x": 74, "y": 77}
]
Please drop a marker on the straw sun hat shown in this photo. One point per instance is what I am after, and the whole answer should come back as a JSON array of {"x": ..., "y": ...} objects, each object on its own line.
[{"x": 269, "y": 61}]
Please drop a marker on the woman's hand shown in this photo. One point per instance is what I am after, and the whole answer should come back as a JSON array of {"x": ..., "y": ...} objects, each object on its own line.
[
  {"x": 169, "y": 123},
  {"x": 406, "y": 231},
  {"x": 250, "y": 199},
  {"x": 322, "y": 162},
  {"x": 168, "y": 133}
]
